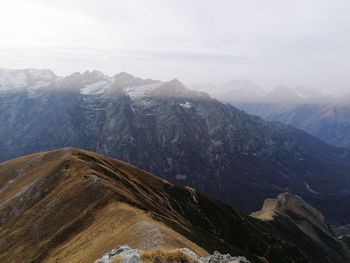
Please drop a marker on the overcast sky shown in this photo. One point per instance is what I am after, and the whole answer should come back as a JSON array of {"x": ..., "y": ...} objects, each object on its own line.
[{"x": 271, "y": 42}]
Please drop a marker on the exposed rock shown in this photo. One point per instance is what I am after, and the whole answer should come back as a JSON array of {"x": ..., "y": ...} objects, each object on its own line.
[
  {"x": 126, "y": 254},
  {"x": 129, "y": 255},
  {"x": 217, "y": 257}
]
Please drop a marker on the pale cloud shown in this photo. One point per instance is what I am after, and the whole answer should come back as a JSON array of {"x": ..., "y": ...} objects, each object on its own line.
[{"x": 270, "y": 42}]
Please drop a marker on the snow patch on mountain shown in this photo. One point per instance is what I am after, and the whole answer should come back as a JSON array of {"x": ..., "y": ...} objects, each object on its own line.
[
  {"x": 98, "y": 87},
  {"x": 186, "y": 105},
  {"x": 140, "y": 92}
]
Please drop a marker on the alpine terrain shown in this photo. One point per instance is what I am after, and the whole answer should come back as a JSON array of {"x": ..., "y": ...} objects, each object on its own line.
[
  {"x": 323, "y": 116},
  {"x": 72, "y": 205},
  {"x": 180, "y": 135}
]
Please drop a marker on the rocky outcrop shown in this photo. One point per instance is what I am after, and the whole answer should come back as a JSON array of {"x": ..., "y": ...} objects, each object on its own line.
[
  {"x": 288, "y": 204},
  {"x": 125, "y": 254},
  {"x": 292, "y": 210}
]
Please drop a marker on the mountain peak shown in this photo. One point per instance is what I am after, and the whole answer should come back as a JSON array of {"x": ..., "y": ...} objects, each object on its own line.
[
  {"x": 294, "y": 208},
  {"x": 282, "y": 94},
  {"x": 124, "y": 76},
  {"x": 22, "y": 79},
  {"x": 238, "y": 90},
  {"x": 290, "y": 203},
  {"x": 286, "y": 203},
  {"x": 175, "y": 82},
  {"x": 172, "y": 88},
  {"x": 93, "y": 75}
]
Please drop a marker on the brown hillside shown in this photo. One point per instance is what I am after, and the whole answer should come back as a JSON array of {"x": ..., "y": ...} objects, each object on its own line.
[{"x": 72, "y": 205}]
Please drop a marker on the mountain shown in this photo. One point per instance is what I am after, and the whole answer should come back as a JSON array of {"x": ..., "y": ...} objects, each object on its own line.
[
  {"x": 181, "y": 135},
  {"x": 25, "y": 80},
  {"x": 235, "y": 90},
  {"x": 245, "y": 91},
  {"x": 323, "y": 116},
  {"x": 328, "y": 122},
  {"x": 72, "y": 205}
]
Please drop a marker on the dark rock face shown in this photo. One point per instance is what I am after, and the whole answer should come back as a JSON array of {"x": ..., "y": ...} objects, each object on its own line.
[{"x": 178, "y": 134}]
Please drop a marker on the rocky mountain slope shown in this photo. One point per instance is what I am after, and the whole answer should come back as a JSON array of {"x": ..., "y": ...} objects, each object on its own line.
[
  {"x": 323, "y": 116},
  {"x": 292, "y": 209},
  {"x": 178, "y": 134},
  {"x": 329, "y": 122},
  {"x": 72, "y": 205}
]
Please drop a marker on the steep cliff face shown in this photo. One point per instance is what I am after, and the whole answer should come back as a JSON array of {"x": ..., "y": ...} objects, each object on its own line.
[
  {"x": 178, "y": 134},
  {"x": 72, "y": 205}
]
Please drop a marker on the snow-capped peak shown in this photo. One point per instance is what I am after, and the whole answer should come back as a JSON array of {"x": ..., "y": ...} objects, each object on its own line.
[{"x": 25, "y": 79}]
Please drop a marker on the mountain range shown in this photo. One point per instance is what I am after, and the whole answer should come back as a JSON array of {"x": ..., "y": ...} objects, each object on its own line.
[
  {"x": 242, "y": 90},
  {"x": 73, "y": 205},
  {"x": 181, "y": 135},
  {"x": 323, "y": 116}
]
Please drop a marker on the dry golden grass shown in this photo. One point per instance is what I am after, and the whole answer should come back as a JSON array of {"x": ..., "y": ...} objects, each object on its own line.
[
  {"x": 165, "y": 256},
  {"x": 115, "y": 225},
  {"x": 75, "y": 210},
  {"x": 268, "y": 210},
  {"x": 116, "y": 260}
]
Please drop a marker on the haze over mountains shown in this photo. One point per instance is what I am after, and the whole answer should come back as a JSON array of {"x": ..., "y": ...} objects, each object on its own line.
[
  {"x": 131, "y": 164},
  {"x": 182, "y": 135},
  {"x": 72, "y": 205},
  {"x": 243, "y": 90},
  {"x": 324, "y": 116}
]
